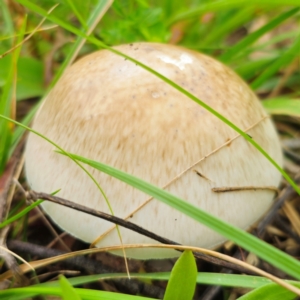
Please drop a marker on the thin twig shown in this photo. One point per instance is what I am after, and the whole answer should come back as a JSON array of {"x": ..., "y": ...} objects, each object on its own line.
[
  {"x": 7, "y": 188},
  {"x": 284, "y": 195},
  {"x": 32, "y": 195},
  {"x": 226, "y": 189},
  {"x": 31, "y": 34}
]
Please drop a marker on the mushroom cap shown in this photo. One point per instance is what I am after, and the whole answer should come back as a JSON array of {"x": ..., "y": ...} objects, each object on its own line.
[{"x": 111, "y": 110}]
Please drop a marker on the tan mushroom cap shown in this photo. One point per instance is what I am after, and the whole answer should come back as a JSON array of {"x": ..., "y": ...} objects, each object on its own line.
[{"x": 108, "y": 109}]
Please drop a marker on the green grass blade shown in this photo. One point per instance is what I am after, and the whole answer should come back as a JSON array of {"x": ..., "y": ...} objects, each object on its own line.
[
  {"x": 7, "y": 101},
  {"x": 265, "y": 251},
  {"x": 264, "y": 46},
  {"x": 52, "y": 288},
  {"x": 229, "y": 4},
  {"x": 75, "y": 6},
  {"x": 182, "y": 282},
  {"x": 226, "y": 280},
  {"x": 26, "y": 293},
  {"x": 249, "y": 69},
  {"x": 283, "y": 60},
  {"x": 98, "y": 12},
  {"x": 282, "y": 106},
  {"x": 251, "y": 38},
  {"x": 270, "y": 291},
  {"x": 20, "y": 214},
  {"x": 68, "y": 292},
  {"x": 231, "y": 24},
  {"x": 7, "y": 26},
  {"x": 19, "y": 131},
  {"x": 23, "y": 212}
]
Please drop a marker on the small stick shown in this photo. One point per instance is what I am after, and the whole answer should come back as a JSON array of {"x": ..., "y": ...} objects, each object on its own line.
[
  {"x": 286, "y": 194},
  {"x": 226, "y": 189},
  {"x": 32, "y": 195}
]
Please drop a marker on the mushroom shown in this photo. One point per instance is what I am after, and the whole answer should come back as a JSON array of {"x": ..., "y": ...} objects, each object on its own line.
[{"x": 109, "y": 109}]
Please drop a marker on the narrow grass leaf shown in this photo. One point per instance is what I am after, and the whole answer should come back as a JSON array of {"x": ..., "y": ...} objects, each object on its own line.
[
  {"x": 19, "y": 130},
  {"x": 76, "y": 7},
  {"x": 229, "y": 4},
  {"x": 251, "y": 38},
  {"x": 249, "y": 69},
  {"x": 283, "y": 60},
  {"x": 227, "y": 280},
  {"x": 68, "y": 292},
  {"x": 232, "y": 23},
  {"x": 20, "y": 214},
  {"x": 98, "y": 12},
  {"x": 267, "y": 252},
  {"x": 23, "y": 212},
  {"x": 183, "y": 277},
  {"x": 283, "y": 106},
  {"x": 270, "y": 291},
  {"x": 30, "y": 81},
  {"x": 7, "y": 21},
  {"x": 7, "y": 101},
  {"x": 86, "y": 294}
]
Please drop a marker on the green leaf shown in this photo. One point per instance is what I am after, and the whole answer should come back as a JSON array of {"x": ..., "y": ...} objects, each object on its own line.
[
  {"x": 29, "y": 76},
  {"x": 249, "y": 68},
  {"x": 68, "y": 292},
  {"x": 229, "y": 4},
  {"x": 270, "y": 291},
  {"x": 251, "y": 38},
  {"x": 94, "y": 18},
  {"x": 19, "y": 130},
  {"x": 226, "y": 280},
  {"x": 30, "y": 81},
  {"x": 283, "y": 60},
  {"x": 77, "y": 8},
  {"x": 265, "y": 251},
  {"x": 183, "y": 277},
  {"x": 23, "y": 212},
  {"x": 7, "y": 26},
  {"x": 86, "y": 294},
  {"x": 282, "y": 106},
  {"x": 7, "y": 100},
  {"x": 20, "y": 214},
  {"x": 233, "y": 22}
]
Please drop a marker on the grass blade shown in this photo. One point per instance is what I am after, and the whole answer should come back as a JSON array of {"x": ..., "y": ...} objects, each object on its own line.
[
  {"x": 8, "y": 101},
  {"x": 251, "y": 38},
  {"x": 282, "y": 106},
  {"x": 265, "y": 251},
  {"x": 282, "y": 61},
  {"x": 86, "y": 294},
  {"x": 229, "y": 4},
  {"x": 269, "y": 291},
  {"x": 68, "y": 292}
]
